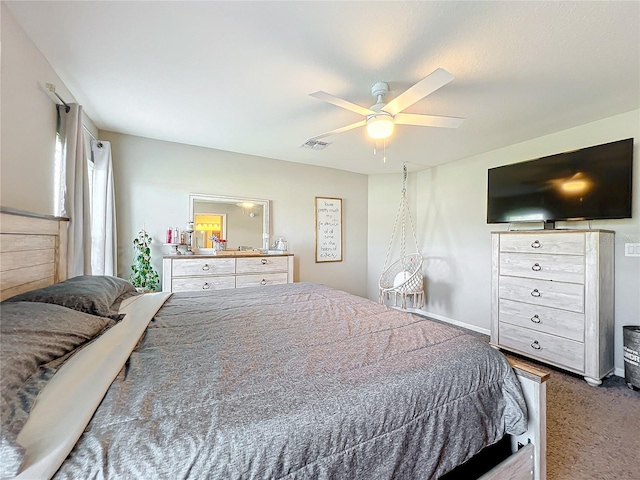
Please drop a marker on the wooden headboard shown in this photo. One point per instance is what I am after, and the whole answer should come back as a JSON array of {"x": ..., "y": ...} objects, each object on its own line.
[{"x": 33, "y": 251}]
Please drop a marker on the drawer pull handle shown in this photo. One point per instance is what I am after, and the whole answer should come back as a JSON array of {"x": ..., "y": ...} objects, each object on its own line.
[
  {"x": 263, "y": 261},
  {"x": 535, "y": 345},
  {"x": 206, "y": 286},
  {"x": 205, "y": 267},
  {"x": 536, "y": 319},
  {"x": 535, "y": 293},
  {"x": 536, "y": 244},
  {"x": 536, "y": 267},
  {"x": 263, "y": 282}
]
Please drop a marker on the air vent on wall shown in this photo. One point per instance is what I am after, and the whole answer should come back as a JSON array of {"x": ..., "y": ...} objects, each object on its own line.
[{"x": 314, "y": 144}]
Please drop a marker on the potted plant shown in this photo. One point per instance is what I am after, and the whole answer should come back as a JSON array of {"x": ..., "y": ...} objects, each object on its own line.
[{"x": 143, "y": 276}]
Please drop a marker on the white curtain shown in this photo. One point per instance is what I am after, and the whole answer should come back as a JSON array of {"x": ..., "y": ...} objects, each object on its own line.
[
  {"x": 103, "y": 216},
  {"x": 76, "y": 190}
]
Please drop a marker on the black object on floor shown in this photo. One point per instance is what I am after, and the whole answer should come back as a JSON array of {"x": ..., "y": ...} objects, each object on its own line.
[{"x": 481, "y": 463}]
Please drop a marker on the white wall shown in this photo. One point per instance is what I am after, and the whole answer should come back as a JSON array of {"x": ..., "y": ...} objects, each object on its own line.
[
  {"x": 28, "y": 121},
  {"x": 153, "y": 180},
  {"x": 456, "y": 243}
]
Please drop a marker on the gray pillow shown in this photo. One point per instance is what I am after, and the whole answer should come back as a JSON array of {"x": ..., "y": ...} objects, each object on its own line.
[
  {"x": 93, "y": 294},
  {"x": 34, "y": 336}
]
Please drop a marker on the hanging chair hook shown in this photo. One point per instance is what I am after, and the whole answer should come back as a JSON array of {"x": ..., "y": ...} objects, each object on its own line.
[{"x": 404, "y": 177}]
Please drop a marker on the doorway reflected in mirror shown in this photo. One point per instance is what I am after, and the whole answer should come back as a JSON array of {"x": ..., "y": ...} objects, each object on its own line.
[{"x": 208, "y": 225}]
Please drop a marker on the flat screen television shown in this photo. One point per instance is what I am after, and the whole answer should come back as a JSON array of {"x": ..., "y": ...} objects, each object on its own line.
[{"x": 586, "y": 184}]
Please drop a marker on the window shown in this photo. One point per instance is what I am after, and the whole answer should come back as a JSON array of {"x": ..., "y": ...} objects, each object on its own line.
[
  {"x": 59, "y": 173},
  {"x": 59, "y": 177},
  {"x": 90, "y": 165}
]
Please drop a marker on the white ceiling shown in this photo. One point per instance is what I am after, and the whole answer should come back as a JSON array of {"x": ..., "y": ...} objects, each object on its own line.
[{"x": 236, "y": 76}]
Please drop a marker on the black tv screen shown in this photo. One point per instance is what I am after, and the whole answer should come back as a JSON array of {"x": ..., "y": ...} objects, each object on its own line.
[{"x": 586, "y": 184}]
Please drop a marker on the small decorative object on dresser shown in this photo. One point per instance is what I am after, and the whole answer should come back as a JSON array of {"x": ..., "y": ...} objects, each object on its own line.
[
  {"x": 143, "y": 275},
  {"x": 236, "y": 270},
  {"x": 552, "y": 298},
  {"x": 219, "y": 244}
]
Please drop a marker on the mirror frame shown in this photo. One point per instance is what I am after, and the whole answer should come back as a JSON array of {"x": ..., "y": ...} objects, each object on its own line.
[{"x": 204, "y": 197}]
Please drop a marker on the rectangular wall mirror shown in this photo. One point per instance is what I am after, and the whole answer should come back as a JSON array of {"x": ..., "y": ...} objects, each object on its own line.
[{"x": 243, "y": 222}]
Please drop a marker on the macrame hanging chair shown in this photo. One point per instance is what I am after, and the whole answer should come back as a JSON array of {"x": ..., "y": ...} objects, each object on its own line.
[{"x": 403, "y": 278}]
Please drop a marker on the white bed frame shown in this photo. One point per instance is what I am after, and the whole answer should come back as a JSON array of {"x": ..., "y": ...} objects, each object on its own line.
[
  {"x": 529, "y": 457},
  {"x": 33, "y": 254}
]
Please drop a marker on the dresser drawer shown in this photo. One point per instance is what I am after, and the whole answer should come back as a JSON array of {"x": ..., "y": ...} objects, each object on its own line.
[
  {"x": 543, "y": 319},
  {"x": 201, "y": 273},
  {"x": 541, "y": 346},
  {"x": 560, "y": 268},
  {"x": 203, "y": 266},
  {"x": 258, "y": 280},
  {"x": 560, "y": 243},
  {"x": 202, "y": 283},
  {"x": 567, "y": 296},
  {"x": 261, "y": 264}
]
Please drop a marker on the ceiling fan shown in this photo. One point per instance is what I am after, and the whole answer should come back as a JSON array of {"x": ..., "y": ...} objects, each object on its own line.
[{"x": 381, "y": 118}]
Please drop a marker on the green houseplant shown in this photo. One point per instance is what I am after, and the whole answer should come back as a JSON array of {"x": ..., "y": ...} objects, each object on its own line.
[{"x": 143, "y": 276}]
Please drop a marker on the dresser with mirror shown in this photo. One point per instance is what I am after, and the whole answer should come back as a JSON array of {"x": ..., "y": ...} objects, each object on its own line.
[{"x": 246, "y": 260}]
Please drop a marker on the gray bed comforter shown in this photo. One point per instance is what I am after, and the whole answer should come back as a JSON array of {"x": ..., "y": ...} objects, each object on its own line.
[{"x": 297, "y": 381}]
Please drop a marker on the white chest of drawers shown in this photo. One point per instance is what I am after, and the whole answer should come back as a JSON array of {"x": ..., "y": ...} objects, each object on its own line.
[
  {"x": 200, "y": 272},
  {"x": 552, "y": 298}
]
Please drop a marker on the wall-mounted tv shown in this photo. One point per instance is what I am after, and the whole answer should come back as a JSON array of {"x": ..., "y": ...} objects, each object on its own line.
[{"x": 586, "y": 184}]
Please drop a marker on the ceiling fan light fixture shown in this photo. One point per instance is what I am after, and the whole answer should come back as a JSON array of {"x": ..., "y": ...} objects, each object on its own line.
[
  {"x": 381, "y": 117},
  {"x": 380, "y": 126}
]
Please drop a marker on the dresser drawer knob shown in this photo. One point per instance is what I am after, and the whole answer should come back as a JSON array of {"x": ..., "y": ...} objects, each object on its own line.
[
  {"x": 205, "y": 267},
  {"x": 536, "y": 244},
  {"x": 206, "y": 286},
  {"x": 263, "y": 282},
  {"x": 535, "y": 293},
  {"x": 536, "y": 267},
  {"x": 535, "y": 345},
  {"x": 536, "y": 319},
  {"x": 263, "y": 261}
]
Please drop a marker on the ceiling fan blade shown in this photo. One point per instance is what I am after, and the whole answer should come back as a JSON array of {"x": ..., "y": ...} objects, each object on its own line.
[
  {"x": 339, "y": 102},
  {"x": 339, "y": 130},
  {"x": 427, "y": 120},
  {"x": 424, "y": 87}
]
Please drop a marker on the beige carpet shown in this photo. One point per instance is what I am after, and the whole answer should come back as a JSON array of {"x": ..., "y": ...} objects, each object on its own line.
[{"x": 592, "y": 432}]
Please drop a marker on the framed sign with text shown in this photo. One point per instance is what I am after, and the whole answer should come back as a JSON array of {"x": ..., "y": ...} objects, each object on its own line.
[{"x": 328, "y": 229}]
